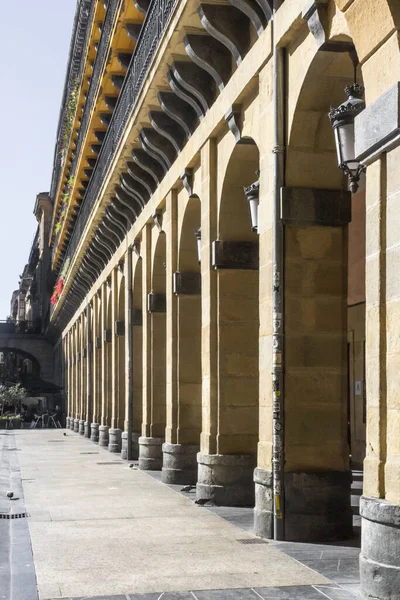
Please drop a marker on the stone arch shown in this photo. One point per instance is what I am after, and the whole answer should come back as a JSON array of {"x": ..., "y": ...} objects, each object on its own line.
[
  {"x": 311, "y": 154},
  {"x": 374, "y": 29},
  {"x": 236, "y": 262},
  {"x": 33, "y": 368},
  {"x": 33, "y": 347},
  {"x": 316, "y": 209}
]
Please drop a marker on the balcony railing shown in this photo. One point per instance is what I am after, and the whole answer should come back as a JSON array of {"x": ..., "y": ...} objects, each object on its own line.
[
  {"x": 80, "y": 37},
  {"x": 150, "y": 35},
  {"x": 20, "y": 327}
]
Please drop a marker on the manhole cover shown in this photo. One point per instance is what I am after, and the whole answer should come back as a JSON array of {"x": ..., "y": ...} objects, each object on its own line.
[
  {"x": 89, "y": 452},
  {"x": 15, "y": 449},
  {"x": 116, "y": 462},
  {"x": 252, "y": 541},
  {"x": 54, "y": 441},
  {"x": 15, "y": 516}
]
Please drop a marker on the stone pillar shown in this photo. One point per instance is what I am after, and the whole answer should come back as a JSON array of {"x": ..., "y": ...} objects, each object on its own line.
[
  {"x": 89, "y": 370},
  {"x": 377, "y": 144},
  {"x": 172, "y": 469},
  {"x": 94, "y": 432},
  {"x": 114, "y": 444},
  {"x": 126, "y": 444},
  {"x": 103, "y": 436},
  {"x": 145, "y": 251},
  {"x": 82, "y": 365},
  {"x": 96, "y": 360},
  {"x": 106, "y": 375},
  {"x": 263, "y": 510},
  {"x": 317, "y": 473},
  {"x": 76, "y": 425},
  {"x": 154, "y": 408},
  {"x": 209, "y": 326}
]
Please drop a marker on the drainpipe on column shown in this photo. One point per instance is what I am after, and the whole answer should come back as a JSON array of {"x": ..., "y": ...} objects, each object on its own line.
[
  {"x": 278, "y": 437},
  {"x": 128, "y": 350}
]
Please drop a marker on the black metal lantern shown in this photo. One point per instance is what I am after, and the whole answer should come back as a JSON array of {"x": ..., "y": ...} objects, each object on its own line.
[
  {"x": 253, "y": 196},
  {"x": 342, "y": 119},
  {"x": 197, "y": 233}
]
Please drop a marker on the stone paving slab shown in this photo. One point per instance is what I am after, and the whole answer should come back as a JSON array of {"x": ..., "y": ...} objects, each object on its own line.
[
  {"x": 330, "y": 592},
  {"x": 17, "y": 572},
  {"x": 97, "y": 528}
]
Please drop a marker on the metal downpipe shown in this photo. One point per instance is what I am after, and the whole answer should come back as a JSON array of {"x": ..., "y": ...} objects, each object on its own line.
[{"x": 278, "y": 432}]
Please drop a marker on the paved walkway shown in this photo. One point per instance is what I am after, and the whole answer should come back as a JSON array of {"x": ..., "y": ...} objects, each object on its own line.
[{"x": 99, "y": 528}]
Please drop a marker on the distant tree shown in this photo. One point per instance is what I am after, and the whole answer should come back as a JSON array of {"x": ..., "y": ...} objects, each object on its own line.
[{"x": 12, "y": 396}]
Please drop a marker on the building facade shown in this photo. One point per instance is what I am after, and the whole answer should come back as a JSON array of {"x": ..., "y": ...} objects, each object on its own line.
[{"x": 225, "y": 309}]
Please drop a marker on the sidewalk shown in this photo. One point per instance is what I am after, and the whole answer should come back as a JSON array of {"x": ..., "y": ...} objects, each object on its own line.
[{"x": 99, "y": 528}]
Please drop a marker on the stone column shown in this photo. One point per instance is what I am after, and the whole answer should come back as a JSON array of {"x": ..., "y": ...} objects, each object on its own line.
[
  {"x": 114, "y": 433},
  {"x": 150, "y": 443},
  {"x": 317, "y": 473},
  {"x": 208, "y": 438},
  {"x": 82, "y": 374},
  {"x": 126, "y": 443},
  {"x": 77, "y": 377},
  {"x": 89, "y": 371},
  {"x": 105, "y": 379},
  {"x": 378, "y": 146},
  {"x": 96, "y": 340},
  {"x": 173, "y": 453}
]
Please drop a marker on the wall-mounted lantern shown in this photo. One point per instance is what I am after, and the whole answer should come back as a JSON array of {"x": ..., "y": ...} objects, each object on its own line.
[
  {"x": 342, "y": 119},
  {"x": 252, "y": 194},
  {"x": 197, "y": 233}
]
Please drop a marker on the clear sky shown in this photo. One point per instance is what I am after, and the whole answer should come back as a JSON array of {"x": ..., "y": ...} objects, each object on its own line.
[{"x": 34, "y": 45}]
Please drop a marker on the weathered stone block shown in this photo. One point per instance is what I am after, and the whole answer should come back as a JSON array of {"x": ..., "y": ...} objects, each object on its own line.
[
  {"x": 150, "y": 453},
  {"x": 317, "y": 506},
  {"x": 94, "y": 432},
  {"x": 114, "y": 440},
  {"x": 226, "y": 480},
  {"x": 103, "y": 436},
  {"x": 380, "y": 543},
  {"x": 377, "y": 128},
  {"x": 179, "y": 464},
  {"x": 135, "y": 446}
]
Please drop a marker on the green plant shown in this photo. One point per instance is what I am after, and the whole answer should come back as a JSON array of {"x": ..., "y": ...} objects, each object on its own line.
[
  {"x": 69, "y": 117},
  {"x": 12, "y": 396}
]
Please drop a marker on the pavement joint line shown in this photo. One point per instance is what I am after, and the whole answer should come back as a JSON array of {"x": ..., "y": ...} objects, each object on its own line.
[
  {"x": 255, "y": 591},
  {"x": 321, "y": 592},
  {"x": 194, "y": 595}
]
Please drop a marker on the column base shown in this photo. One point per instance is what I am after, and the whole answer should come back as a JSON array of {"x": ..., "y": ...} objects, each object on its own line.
[
  {"x": 380, "y": 543},
  {"x": 114, "y": 440},
  {"x": 81, "y": 427},
  {"x": 67, "y": 423},
  {"x": 103, "y": 436},
  {"x": 264, "y": 508},
  {"x": 150, "y": 453},
  {"x": 87, "y": 429},
  {"x": 135, "y": 446},
  {"x": 179, "y": 464},
  {"x": 226, "y": 479},
  {"x": 94, "y": 432},
  {"x": 71, "y": 423},
  {"x": 318, "y": 506},
  {"x": 76, "y": 425}
]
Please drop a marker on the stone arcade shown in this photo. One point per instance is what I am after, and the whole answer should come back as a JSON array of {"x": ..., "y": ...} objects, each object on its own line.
[{"x": 166, "y": 316}]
